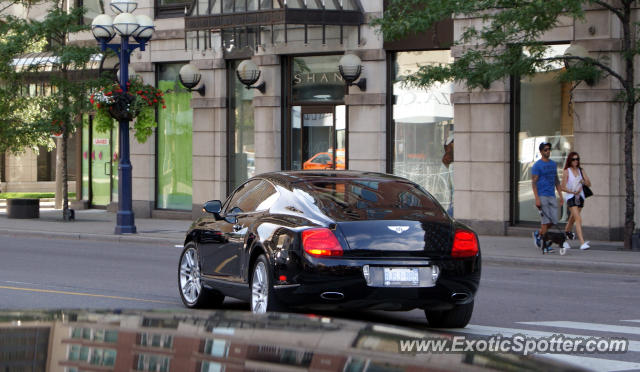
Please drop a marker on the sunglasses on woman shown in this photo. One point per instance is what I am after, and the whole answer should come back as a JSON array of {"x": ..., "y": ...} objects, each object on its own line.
[{"x": 572, "y": 159}]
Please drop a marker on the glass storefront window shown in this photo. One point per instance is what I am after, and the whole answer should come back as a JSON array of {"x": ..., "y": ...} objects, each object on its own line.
[
  {"x": 423, "y": 127},
  {"x": 317, "y": 79},
  {"x": 174, "y": 136},
  {"x": 242, "y": 130},
  {"x": 93, "y": 9},
  {"x": 318, "y": 116},
  {"x": 85, "y": 157},
  {"x": 544, "y": 116},
  {"x": 318, "y": 135}
]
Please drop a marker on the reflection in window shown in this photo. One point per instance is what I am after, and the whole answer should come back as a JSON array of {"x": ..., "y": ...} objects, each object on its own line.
[
  {"x": 367, "y": 365},
  {"x": 242, "y": 131},
  {"x": 156, "y": 340},
  {"x": 152, "y": 363},
  {"x": 211, "y": 367},
  {"x": 216, "y": 347},
  {"x": 353, "y": 200},
  {"x": 97, "y": 335},
  {"x": 545, "y": 116},
  {"x": 175, "y": 142},
  {"x": 93, "y": 356},
  {"x": 160, "y": 323},
  {"x": 274, "y": 354},
  {"x": 317, "y": 79},
  {"x": 92, "y": 10},
  {"x": 254, "y": 195},
  {"x": 423, "y": 127}
]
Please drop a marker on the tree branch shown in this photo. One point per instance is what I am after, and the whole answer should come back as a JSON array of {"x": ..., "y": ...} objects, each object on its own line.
[
  {"x": 610, "y": 8},
  {"x": 6, "y": 7},
  {"x": 591, "y": 61}
]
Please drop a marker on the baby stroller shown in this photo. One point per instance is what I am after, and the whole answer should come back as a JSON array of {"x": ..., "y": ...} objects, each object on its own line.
[{"x": 551, "y": 237}]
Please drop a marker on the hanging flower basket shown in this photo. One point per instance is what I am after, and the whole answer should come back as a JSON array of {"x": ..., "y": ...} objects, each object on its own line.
[
  {"x": 122, "y": 107},
  {"x": 140, "y": 102}
]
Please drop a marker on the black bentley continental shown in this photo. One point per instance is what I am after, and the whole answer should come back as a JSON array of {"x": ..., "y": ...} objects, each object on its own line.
[{"x": 332, "y": 240}]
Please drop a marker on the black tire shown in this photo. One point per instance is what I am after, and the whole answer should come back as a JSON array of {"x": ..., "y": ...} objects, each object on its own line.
[
  {"x": 263, "y": 298},
  {"x": 458, "y": 317},
  {"x": 192, "y": 291}
]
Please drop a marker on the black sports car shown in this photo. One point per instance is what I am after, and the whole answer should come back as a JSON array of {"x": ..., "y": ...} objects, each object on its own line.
[{"x": 332, "y": 240}]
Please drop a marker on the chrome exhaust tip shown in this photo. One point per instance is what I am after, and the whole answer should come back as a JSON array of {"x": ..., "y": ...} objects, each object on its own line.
[
  {"x": 332, "y": 296},
  {"x": 456, "y": 296}
]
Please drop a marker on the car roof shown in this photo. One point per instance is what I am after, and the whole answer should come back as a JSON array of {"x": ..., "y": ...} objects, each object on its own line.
[{"x": 291, "y": 177}]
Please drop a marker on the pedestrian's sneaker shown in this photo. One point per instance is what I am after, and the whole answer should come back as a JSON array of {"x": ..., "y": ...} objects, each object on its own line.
[
  {"x": 570, "y": 235},
  {"x": 550, "y": 250},
  {"x": 585, "y": 246},
  {"x": 537, "y": 240}
]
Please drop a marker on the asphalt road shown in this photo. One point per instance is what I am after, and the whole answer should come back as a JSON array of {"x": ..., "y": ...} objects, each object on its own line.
[
  {"x": 58, "y": 273},
  {"x": 43, "y": 274}
]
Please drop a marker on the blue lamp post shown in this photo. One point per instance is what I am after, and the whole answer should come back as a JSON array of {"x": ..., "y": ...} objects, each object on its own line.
[{"x": 104, "y": 29}]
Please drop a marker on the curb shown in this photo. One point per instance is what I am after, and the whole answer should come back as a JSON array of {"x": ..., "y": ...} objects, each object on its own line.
[
  {"x": 581, "y": 266},
  {"x": 168, "y": 241},
  {"x": 525, "y": 262}
]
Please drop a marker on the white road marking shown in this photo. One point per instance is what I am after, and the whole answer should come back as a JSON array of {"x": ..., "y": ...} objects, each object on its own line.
[{"x": 588, "y": 326}]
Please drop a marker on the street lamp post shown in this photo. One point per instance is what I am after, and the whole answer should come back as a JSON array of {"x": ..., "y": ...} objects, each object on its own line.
[{"x": 104, "y": 29}]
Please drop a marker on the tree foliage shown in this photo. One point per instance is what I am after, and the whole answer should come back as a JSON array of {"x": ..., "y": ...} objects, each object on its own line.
[
  {"x": 501, "y": 38},
  {"x": 27, "y": 120}
]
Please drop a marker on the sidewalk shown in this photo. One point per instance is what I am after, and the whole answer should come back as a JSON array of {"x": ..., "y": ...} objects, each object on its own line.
[{"x": 93, "y": 224}]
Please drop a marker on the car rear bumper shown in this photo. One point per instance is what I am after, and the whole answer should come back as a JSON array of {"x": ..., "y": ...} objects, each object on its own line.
[{"x": 340, "y": 284}]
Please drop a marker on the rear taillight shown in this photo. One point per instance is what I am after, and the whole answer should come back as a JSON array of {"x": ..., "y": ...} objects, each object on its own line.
[
  {"x": 465, "y": 244},
  {"x": 321, "y": 242}
]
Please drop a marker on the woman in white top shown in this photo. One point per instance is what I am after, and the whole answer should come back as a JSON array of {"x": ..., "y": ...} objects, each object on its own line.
[{"x": 573, "y": 177}]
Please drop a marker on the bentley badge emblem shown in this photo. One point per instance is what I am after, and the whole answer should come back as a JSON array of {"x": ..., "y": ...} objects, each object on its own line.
[{"x": 398, "y": 229}]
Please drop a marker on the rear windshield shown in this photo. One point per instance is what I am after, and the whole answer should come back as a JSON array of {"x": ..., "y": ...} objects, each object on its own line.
[{"x": 370, "y": 199}]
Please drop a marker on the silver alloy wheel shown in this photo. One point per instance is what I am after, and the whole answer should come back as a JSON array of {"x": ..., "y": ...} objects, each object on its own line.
[
  {"x": 259, "y": 289},
  {"x": 190, "y": 276}
]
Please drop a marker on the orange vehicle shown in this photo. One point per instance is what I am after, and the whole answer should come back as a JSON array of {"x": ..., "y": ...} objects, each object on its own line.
[{"x": 324, "y": 160}]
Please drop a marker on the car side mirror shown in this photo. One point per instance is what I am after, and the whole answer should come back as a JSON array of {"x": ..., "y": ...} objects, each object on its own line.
[{"x": 214, "y": 207}]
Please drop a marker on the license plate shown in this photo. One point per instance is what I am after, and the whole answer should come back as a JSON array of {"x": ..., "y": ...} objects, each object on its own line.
[{"x": 401, "y": 277}]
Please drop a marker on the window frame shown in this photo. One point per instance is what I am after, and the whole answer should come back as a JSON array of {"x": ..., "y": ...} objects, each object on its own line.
[
  {"x": 171, "y": 11},
  {"x": 515, "y": 124}
]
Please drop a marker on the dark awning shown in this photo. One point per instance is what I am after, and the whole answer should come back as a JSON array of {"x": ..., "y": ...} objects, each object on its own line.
[
  {"x": 252, "y": 16},
  {"x": 40, "y": 66},
  {"x": 231, "y": 14}
]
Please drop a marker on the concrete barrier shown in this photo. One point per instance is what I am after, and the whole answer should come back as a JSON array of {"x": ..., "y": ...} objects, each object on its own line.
[{"x": 23, "y": 208}]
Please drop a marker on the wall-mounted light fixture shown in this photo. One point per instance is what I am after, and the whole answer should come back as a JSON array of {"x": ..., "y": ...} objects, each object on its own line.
[
  {"x": 574, "y": 51},
  {"x": 189, "y": 76},
  {"x": 350, "y": 67},
  {"x": 248, "y": 73},
  {"x": 578, "y": 51}
]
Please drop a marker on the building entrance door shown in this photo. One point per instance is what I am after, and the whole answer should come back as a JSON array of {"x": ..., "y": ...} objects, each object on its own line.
[
  {"x": 99, "y": 165},
  {"x": 100, "y": 168},
  {"x": 318, "y": 138}
]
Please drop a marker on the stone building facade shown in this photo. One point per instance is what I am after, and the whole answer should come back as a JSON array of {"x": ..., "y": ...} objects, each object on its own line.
[{"x": 205, "y": 150}]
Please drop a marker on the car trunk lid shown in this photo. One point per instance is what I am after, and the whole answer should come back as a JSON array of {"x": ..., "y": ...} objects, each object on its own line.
[{"x": 397, "y": 238}]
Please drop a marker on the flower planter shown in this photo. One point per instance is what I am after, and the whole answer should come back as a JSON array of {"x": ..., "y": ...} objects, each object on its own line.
[
  {"x": 23, "y": 208},
  {"x": 121, "y": 107}
]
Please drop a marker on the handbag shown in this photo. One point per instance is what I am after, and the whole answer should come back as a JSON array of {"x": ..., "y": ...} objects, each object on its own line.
[{"x": 585, "y": 189}]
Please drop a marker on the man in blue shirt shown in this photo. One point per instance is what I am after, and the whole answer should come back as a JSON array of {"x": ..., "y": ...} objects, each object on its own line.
[{"x": 544, "y": 179}]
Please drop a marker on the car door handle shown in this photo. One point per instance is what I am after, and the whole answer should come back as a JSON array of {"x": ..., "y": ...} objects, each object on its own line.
[{"x": 237, "y": 227}]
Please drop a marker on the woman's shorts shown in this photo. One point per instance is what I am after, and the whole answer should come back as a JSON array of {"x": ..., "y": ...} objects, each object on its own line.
[{"x": 573, "y": 203}]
